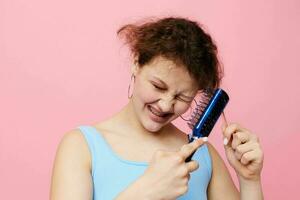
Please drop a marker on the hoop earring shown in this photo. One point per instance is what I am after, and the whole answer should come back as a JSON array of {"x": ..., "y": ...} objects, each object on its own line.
[
  {"x": 190, "y": 107},
  {"x": 132, "y": 77}
]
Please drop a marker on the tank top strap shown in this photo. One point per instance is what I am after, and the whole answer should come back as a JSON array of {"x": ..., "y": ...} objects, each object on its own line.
[
  {"x": 97, "y": 146},
  {"x": 203, "y": 155}
]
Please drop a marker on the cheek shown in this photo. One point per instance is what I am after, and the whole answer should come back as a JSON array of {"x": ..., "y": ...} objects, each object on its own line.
[
  {"x": 145, "y": 93},
  {"x": 181, "y": 107},
  {"x": 149, "y": 97}
]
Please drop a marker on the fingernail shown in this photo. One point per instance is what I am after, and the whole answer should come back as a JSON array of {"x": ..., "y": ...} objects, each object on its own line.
[
  {"x": 225, "y": 141},
  {"x": 205, "y": 139}
]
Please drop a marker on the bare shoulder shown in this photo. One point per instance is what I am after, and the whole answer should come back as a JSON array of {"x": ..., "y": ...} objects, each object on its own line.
[
  {"x": 212, "y": 151},
  {"x": 71, "y": 177},
  {"x": 74, "y": 143},
  {"x": 218, "y": 163},
  {"x": 221, "y": 184}
]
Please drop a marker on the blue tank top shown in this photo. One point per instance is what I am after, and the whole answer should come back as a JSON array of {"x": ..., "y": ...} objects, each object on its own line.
[{"x": 112, "y": 174}]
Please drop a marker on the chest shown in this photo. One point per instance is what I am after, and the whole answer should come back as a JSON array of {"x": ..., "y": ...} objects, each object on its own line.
[{"x": 139, "y": 149}]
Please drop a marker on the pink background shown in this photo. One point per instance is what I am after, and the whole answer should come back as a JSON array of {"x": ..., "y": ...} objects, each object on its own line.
[{"x": 61, "y": 66}]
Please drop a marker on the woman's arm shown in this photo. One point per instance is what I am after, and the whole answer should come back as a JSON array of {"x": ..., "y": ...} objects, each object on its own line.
[
  {"x": 71, "y": 176},
  {"x": 137, "y": 190},
  {"x": 221, "y": 185},
  {"x": 245, "y": 155},
  {"x": 251, "y": 189}
]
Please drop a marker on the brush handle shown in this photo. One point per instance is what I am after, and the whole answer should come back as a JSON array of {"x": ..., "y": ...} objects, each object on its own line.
[{"x": 188, "y": 159}]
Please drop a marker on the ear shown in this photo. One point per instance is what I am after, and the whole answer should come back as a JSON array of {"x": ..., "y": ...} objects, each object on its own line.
[{"x": 135, "y": 68}]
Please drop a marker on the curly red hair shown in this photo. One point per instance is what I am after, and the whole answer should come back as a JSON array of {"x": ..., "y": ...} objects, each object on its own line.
[{"x": 181, "y": 40}]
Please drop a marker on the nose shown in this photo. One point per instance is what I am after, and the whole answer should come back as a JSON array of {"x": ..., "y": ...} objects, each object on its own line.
[{"x": 166, "y": 104}]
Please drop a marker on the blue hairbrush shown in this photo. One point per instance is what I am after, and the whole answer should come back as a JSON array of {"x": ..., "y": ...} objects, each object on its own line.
[{"x": 206, "y": 114}]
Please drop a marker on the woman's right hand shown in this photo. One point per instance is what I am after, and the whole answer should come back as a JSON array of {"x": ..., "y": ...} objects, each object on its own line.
[{"x": 168, "y": 174}]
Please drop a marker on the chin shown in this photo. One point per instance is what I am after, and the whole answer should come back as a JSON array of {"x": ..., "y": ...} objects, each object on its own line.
[{"x": 152, "y": 126}]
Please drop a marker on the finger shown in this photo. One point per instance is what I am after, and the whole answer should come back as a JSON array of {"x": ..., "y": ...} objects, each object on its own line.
[
  {"x": 249, "y": 157},
  {"x": 187, "y": 149},
  {"x": 188, "y": 176},
  {"x": 239, "y": 138},
  {"x": 244, "y": 148},
  {"x": 229, "y": 130},
  {"x": 192, "y": 165},
  {"x": 248, "y": 146}
]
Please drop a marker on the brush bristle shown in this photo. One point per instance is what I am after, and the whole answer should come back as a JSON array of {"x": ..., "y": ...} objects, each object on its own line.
[
  {"x": 207, "y": 111},
  {"x": 200, "y": 107}
]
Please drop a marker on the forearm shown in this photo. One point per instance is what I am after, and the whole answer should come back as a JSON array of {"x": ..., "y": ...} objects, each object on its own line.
[
  {"x": 251, "y": 189},
  {"x": 137, "y": 190}
]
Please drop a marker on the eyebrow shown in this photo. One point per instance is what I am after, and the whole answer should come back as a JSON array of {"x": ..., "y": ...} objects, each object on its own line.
[{"x": 166, "y": 85}]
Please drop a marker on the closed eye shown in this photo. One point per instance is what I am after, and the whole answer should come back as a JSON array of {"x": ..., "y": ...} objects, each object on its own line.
[
  {"x": 157, "y": 87},
  {"x": 187, "y": 101},
  {"x": 178, "y": 97}
]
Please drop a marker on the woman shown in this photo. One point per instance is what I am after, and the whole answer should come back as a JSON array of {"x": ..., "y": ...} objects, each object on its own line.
[{"x": 138, "y": 153}]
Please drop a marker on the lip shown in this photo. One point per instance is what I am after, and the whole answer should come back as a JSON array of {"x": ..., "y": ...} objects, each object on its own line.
[{"x": 155, "y": 117}]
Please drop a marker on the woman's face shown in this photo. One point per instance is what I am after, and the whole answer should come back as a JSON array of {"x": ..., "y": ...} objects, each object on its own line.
[{"x": 162, "y": 91}]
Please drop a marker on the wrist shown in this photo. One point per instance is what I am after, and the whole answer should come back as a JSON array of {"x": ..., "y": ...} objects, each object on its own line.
[
  {"x": 250, "y": 184},
  {"x": 251, "y": 188},
  {"x": 251, "y": 181},
  {"x": 137, "y": 190},
  {"x": 146, "y": 189}
]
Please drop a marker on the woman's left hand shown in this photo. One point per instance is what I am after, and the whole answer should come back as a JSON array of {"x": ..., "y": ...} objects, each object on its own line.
[{"x": 243, "y": 151}]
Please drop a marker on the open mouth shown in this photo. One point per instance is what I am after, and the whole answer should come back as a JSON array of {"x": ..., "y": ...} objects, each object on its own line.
[{"x": 158, "y": 117}]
